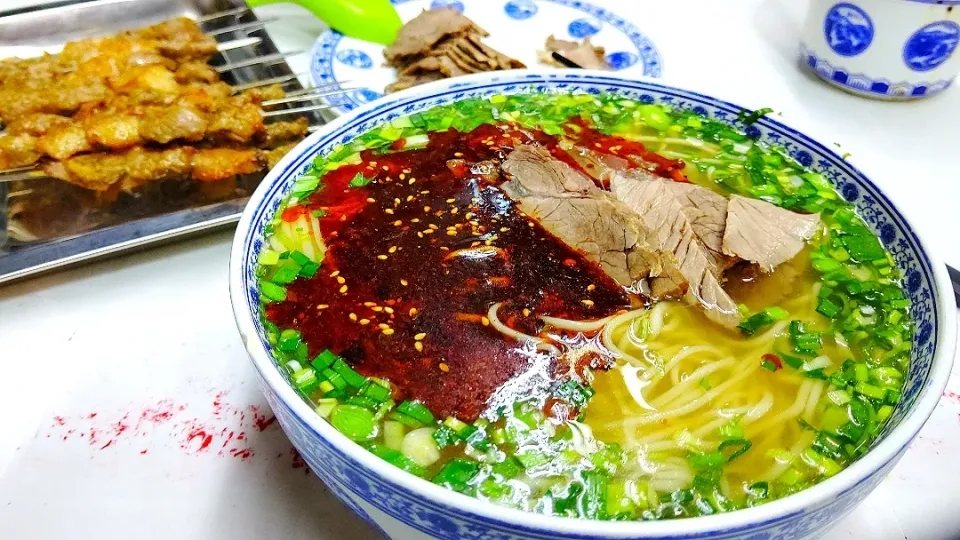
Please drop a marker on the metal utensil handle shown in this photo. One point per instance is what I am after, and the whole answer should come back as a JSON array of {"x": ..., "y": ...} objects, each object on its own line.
[{"x": 955, "y": 281}]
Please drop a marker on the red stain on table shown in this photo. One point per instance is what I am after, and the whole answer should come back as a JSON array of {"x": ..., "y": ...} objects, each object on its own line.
[
  {"x": 222, "y": 432},
  {"x": 952, "y": 396}
]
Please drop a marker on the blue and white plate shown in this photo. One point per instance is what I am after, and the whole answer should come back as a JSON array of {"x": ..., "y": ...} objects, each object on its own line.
[{"x": 518, "y": 28}]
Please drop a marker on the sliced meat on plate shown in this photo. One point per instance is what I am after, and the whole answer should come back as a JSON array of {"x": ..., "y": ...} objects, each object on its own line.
[
  {"x": 416, "y": 38},
  {"x": 765, "y": 234},
  {"x": 584, "y": 54}
]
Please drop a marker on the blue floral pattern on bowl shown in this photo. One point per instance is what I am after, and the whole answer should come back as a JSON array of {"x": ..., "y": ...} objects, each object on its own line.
[
  {"x": 583, "y": 28},
  {"x": 455, "y": 5},
  {"x": 931, "y": 45},
  {"x": 520, "y": 10},
  {"x": 373, "y": 488},
  {"x": 355, "y": 58},
  {"x": 861, "y": 83},
  {"x": 848, "y": 29}
]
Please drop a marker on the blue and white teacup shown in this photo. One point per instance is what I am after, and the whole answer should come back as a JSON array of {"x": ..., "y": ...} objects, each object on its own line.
[{"x": 887, "y": 49}]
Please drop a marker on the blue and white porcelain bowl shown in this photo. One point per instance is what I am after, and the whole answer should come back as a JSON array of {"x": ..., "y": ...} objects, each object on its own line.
[
  {"x": 886, "y": 49},
  {"x": 407, "y": 507}
]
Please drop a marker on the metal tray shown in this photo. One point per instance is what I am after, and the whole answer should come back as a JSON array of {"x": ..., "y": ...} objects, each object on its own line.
[{"x": 162, "y": 215}]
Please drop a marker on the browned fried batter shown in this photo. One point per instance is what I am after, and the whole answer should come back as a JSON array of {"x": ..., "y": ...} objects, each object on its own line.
[
  {"x": 137, "y": 166},
  {"x": 111, "y": 114}
]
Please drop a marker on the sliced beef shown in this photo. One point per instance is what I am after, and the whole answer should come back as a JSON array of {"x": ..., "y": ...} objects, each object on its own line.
[
  {"x": 441, "y": 43},
  {"x": 765, "y": 234},
  {"x": 571, "y": 207},
  {"x": 670, "y": 209},
  {"x": 536, "y": 172},
  {"x": 706, "y": 209},
  {"x": 416, "y": 38},
  {"x": 584, "y": 54},
  {"x": 501, "y": 60}
]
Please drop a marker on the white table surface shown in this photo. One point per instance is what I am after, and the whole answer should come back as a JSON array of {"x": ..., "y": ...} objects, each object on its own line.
[{"x": 125, "y": 388}]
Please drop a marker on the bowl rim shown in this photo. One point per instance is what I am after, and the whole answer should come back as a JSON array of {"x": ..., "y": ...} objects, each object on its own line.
[{"x": 887, "y": 449}]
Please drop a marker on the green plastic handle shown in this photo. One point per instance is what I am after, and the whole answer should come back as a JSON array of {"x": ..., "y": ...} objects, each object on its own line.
[{"x": 369, "y": 20}]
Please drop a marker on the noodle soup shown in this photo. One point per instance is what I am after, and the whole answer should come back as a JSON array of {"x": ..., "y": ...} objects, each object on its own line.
[{"x": 585, "y": 306}]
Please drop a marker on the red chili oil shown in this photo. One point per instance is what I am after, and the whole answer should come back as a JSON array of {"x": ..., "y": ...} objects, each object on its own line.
[{"x": 416, "y": 257}]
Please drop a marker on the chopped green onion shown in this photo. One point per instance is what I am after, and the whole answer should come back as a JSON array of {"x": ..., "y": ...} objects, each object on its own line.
[
  {"x": 739, "y": 446},
  {"x": 323, "y": 360},
  {"x": 376, "y": 392},
  {"x": 305, "y": 379},
  {"x": 272, "y": 292},
  {"x": 352, "y": 378},
  {"x": 359, "y": 181},
  {"x": 355, "y": 422},
  {"x": 325, "y": 406},
  {"x": 417, "y": 411},
  {"x": 456, "y": 473},
  {"x": 289, "y": 340}
]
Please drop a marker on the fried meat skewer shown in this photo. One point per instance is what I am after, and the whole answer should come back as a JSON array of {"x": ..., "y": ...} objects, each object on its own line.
[
  {"x": 194, "y": 116},
  {"x": 126, "y": 171}
]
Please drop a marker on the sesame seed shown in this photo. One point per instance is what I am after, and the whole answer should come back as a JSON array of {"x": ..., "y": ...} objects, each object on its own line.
[
  {"x": 426, "y": 208},
  {"x": 340, "y": 280},
  {"x": 389, "y": 210},
  {"x": 382, "y": 257},
  {"x": 371, "y": 199},
  {"x": 377, "y": 308},
  {"x": 335, "y": 273},
  {"x": 434, "y": 226},
  {"x": 403, "y": 282},
  {"x": 454, "y": 210},
  {"x": 402, "y": 176},
  {"x": 372, "y": 163},
  {"x": 428, "y": 231},
  {"x": 353, "y": 316},
  {"x": 369, "y": 304},
  {"x": 412, "y": 181},
  {"x": 413, "y": 311},
  {"x": 415, "y": 220},
  {"x": 343, "y": 289},
  {"x": 530, "y": 224},
  {"x": 396, "y": 202},
  {"x": 458, "y": 154},
  {"x": 418, "y": 346},
  {"x": 393, "y": 249},
  {"x": 591, "y": 287},
  {"x": 485, "y": 321},
  {"x": 420, "y": 234},
  {"x": 526, "y": 312},
  {"x": 388, "y": 331},
  {"x": 397, "y": 223},
  {"x": 587, "y": 303},
  {"x": 383, "y": 326},
  {"x": 444, "y": 367},
  {"x": 364, "y": 322},
  {"x": 388, "y": 309},
  {"x": 406, "y": 171},
  {"x": 468, "y": 215},
  {"x": 504, "y": 229},
  {"x": 409, "y": 198},
  {"x": 322, "y": 306},
  {"x": 420, "y": 336},
  {"x": 425, "y": 192},
  {"x": 386, "y": 168},
  {"x": 451, "y": 200}
]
